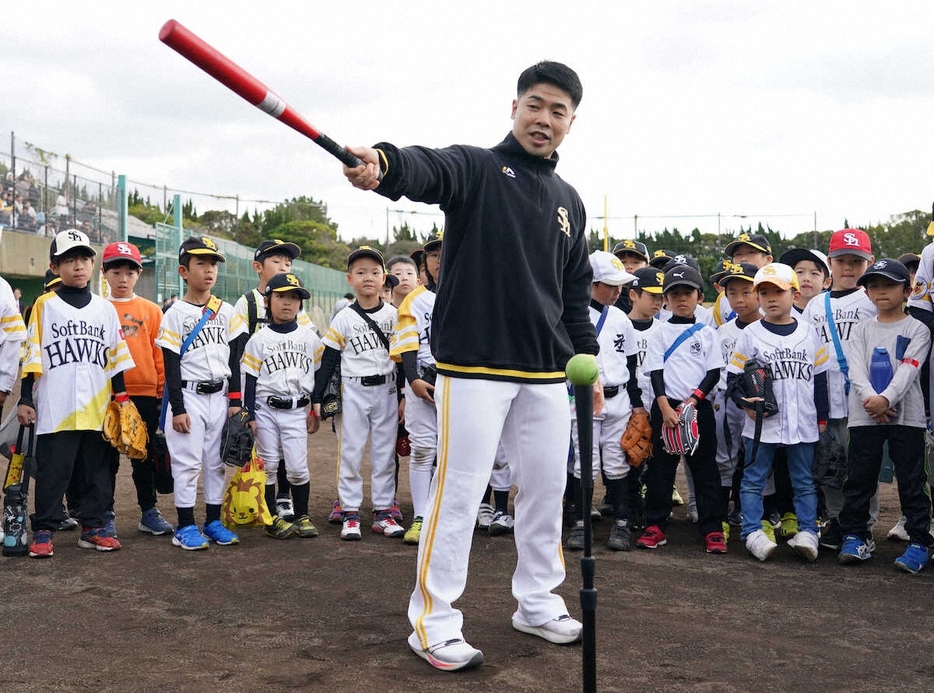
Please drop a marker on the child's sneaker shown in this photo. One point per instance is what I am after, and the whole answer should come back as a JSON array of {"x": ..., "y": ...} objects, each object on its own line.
[
  {"x": 395, "y": 512},
  {"x": 67, "y": 523},
  {"x": 414, "y": 533},
  {"x": 284, "y": 508},
  {"x": 725, "y": 526},
  {"x": 153, "y": 523},
  {"x": 189, "y": 538},
  {"x": 854, "y": 550},
  {"x": 898, "y": 532},
  {"x": 280, "y": 529},
  {"x": 576, "y": 537},
  {"x": 304, "y": 528},
  {"x": 41, "y": 546},
  {"x": 788, "y": 527},
  {"x": 676, "y": 498},
  {"x": 351, "y": 528},
  {"x": 914, "y": 559},
  {"x": 715, "y": 542},
  {"x": 337, "y": 514},
  {"x": 735, "y": 518},
  {"x": 485, "y": 517},
  {"x": 383, "y": 523},
  {"x": 805, "y": 545},
  {"x": 769, "y": 530},
  {"x": 830, "y": 535},
  {"x": 759, "y": 545},
  {"x": 97, "y": 538},
  {"x": 652, "y": 538},
  {"x": 216, "y": 532},
  {"x": 502, "y": 524},
  {"x": 619, "y": 539},
  {"x": 110, "y": 524}
]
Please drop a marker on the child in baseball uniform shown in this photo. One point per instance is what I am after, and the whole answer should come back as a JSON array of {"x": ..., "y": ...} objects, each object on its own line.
[
  {"x": 834, "y": 315},
  {"x": 12, "y": 336},
  {"x": 796, "y": 362},
  {"x": 272, "y": 257},
  {"x": 405, "y": 269},
  {"x": 737, "y": 285},
  {"x": 75, "y": 357},
  {"x": 203, "y": 383},
  {"x": 683, "y": 360},
  {"x": 359, "y": 338},
  {"x": 886, "y": 404},
  {"x": 813, "y": 270},
  {"x": 752, "y": 248},
  {"x": 410, "y": 345},
  {"x": 617, "y": 360},
  {"x": 280, "y": 362},
  {"x": 140, "y": 320}
]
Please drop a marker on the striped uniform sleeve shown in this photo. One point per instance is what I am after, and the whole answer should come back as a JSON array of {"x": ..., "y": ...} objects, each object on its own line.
[
  {"x": 741, "y": 353},
  {"x": 405, "y": 332},
  {"x": 252, "y": 360},
  {"x": 32, "y": 361}
]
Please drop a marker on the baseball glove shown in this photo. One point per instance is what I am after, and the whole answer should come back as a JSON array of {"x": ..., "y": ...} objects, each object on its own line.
[
  {"x": 133, "y": 434},
  {"x": 829, "y": 461},
  {"x": 637, "y": 440},
  {"x": 683, "y": 438},
  {"x": 755, "y": 382},
  {"x": 111, "y": 430},
  {"x": 331, "y": 401},
  {"x": 162, "y": 464},
  {"x": 237, "y": 440}
]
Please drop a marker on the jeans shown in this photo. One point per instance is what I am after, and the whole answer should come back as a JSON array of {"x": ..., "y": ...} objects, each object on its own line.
[{"x": 800, "y": 469}]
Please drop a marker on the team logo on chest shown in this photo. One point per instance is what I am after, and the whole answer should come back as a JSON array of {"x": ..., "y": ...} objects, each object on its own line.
[
  {"x": 695, "y": 348},
  {"x": 563, "y": 223}
]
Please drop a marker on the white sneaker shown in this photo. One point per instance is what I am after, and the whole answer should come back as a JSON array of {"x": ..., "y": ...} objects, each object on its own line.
[
  {"x": 485, "y": 516},
  {"x": 284, "y": 509},
  {"x": 450, "y": 655},
  {"x": 502, "y": 524},
  {"x": 562, "y": 630},
  {"x": 383, "y": 523},
  {"x": 351, "y": 528},
  {"x": 898, "y": 533},
  {"x": 759, "y": 545},
  {"x": 805, "y": 545}
]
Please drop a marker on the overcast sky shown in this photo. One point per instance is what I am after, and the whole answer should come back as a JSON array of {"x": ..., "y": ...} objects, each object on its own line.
[{"x": 776, "y": 111}]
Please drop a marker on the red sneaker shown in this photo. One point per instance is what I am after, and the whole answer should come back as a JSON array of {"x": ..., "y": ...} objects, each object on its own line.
[
  {"x": 97, "y": 538},
  {"x": 652, "y": 538},
  {"x": 715, "y": 542},
  {"x": 337, "y": 514},
  {"x": 41, "y": 546}
]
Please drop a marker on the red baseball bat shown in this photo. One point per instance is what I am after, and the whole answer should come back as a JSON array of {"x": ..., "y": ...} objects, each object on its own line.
[{"x": 242, "y": 83}]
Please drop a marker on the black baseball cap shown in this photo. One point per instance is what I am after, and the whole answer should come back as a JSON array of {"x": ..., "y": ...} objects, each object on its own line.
[
  {"x": 681, "y": 259},
  {"x": 795, "y": 255},
  {"x": 417, "y": 255},
  {"x": 909, "y": 259},
  {"x": 632, "y": 247},
  {"x": 744, "y": 270},
  {"x": 391, "y": 281},
  {"x": 648, "y": 279},
  {"x": 660, "y": 258},
  {"x": 199, "y": 245},
  {"x": 682, "y": 275},
  {"x": 51, "y": 280},
  {"x": 755, "y": 241},
  {"x": 433, "y": 241},
  {"x": 284, "y": 282},
  {"x": 888, "y": 268},
  {"x": 276, "y": 247},
  {"x": 365, "y": 251},
  {"x": 723, "y": 268}
]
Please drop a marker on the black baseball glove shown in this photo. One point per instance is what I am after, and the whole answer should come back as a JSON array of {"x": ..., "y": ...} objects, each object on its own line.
[{"x": 237, "y": 440}]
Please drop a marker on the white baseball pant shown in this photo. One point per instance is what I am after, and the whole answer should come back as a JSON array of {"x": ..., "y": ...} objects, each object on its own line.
[
  {"x": 608, "y": 428},
  {"x": 284, "y": 429},
  {"x": 198, "y": 450}
]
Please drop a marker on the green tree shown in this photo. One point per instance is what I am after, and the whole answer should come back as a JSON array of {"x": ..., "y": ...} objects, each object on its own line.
[{"x": 318, "y": 241}]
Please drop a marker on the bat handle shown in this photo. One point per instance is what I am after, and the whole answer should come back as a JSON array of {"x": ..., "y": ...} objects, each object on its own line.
[{"x": 332, "y": 147}]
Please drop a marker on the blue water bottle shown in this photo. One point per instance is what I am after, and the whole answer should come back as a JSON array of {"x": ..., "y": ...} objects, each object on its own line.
[{"x": 880, "y": 369}]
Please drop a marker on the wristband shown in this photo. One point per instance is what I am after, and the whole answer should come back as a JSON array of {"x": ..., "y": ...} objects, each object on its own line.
[
  {"x": 233, "y": 395},
  {"x": 311, "y": 413},
  {"x": 699, "y": 394},
  {"x": 821, "y": 423},
  {"x": 122, "y": 397}
]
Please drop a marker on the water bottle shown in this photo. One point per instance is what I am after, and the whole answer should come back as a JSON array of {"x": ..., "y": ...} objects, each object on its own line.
[{"x": 880, "y": 369}]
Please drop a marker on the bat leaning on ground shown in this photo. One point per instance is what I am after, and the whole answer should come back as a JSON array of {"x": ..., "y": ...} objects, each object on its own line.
[
  {"x": 16, "y": 496},
  {"x": 245, "y": 85}
]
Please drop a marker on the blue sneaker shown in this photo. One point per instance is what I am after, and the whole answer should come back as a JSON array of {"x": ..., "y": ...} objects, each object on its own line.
[
  {"x": 189, "y": 538},
  {"x": 914, "y": 559},
  {"x": 854, "y": 550},
  {"x": 216, "y": 532},
  {"x": 735, "y": 518},
  {"x": 153, "y": 523},
  {"x": 110, "y": 524}
]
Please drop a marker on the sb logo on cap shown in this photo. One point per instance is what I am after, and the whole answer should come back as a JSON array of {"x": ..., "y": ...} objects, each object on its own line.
[
  {"x": 209, "y": 243},
  {"x": 292, "y": 279}
]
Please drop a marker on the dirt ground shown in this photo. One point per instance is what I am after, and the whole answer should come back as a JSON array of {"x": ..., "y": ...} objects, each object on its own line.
[{"x": 327, "y": 615}]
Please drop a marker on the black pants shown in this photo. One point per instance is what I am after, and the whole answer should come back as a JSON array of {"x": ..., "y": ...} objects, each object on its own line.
[
  {"x": 57, "y": 456},
  {"x": 144, "y": 471},
  {"x": 660, "y": 473},
  {"x": 864, "y": 460}
]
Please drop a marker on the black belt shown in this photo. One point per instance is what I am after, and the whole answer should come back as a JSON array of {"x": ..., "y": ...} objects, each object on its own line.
[
  {"x": 610, "y": 392},
  {"x": 203, "y": 387},
  {"x": 370, "y": 380},
  {"x": 287, "y": 402}
]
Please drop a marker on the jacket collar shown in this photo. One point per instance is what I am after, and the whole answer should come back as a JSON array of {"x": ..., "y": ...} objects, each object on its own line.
[{"x": 511, "y": 146}]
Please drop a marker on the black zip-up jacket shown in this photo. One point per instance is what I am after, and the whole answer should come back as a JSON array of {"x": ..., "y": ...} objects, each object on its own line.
[{"x": 515, "y": 280}]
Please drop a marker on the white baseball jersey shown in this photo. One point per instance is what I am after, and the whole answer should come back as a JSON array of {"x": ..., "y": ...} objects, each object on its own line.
[
  {"x": 413, "y": 328},
  {"x": 207, "y": 359},
  {"x": 73, "y": 352},
  {"x": 702, "y": 313},
  {"x": 12, "y": 335},
  {"x": 642, "y": 342},
  {"x": 722, "y": 311},
  {"x": 617, "y": 342},
  {"x": 242, "y": 309},
  {"x": 848, "y": 311},
  {"x": 689, "y": 362},
  {"x": 283, "y": 364},
  {"x": 793, "y": 361},
  {"x": 728, "y": 333},
  {"x": 362, "y": 351}
]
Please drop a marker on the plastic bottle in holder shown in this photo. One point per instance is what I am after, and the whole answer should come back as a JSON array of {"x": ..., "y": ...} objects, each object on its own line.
[{"x": 880, "y": 369}]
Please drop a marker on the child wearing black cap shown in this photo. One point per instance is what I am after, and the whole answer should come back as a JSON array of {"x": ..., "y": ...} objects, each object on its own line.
[
  {"x": 684, "y": 361},
  {"x": 886, "y": 404}
]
